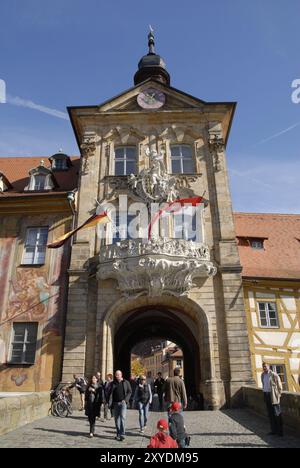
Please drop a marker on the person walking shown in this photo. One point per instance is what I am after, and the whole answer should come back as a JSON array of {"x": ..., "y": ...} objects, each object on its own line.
[
  {"x": 92, "y": 403},
  {"x": 162, "y": 440},
  {"x": 175, "y": 390},
  {"x": 133, "y": 383},
  {"x": 106, "y": 391},
  {"x": 159, "y": 386},
  {"x": 272, "y": 388},
  {"x": 119, "y": 396},
  {"x": 101, "y": 395},
  {"x": 143, "y": 399},
  {"x": 80, "y": 383},
  {"x": 176, "y": 425}
]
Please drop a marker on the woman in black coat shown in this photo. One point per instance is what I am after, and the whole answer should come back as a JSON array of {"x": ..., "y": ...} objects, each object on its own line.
[{"x": 92, "y": 403}]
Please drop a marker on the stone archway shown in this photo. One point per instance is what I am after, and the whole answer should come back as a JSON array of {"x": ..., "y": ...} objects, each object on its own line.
[
  {"x": 189, "y": 327},
  {"x": 158, "y": 323}
]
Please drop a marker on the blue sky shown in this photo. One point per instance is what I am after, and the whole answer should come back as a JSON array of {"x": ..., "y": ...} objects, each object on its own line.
[{"x": 75, "y": 52}]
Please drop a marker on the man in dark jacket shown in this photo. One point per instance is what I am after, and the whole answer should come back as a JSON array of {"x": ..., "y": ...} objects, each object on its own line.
[
  {"x": 119, "y": 397},
  {"x": 176, "y": 425},
  {"x": 159, "y": 385}
]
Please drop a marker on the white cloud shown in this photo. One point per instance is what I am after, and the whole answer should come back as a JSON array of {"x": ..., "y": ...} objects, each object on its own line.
[
  {"x": 17, "y": 101},
  {"x": 276, "y": 135}
]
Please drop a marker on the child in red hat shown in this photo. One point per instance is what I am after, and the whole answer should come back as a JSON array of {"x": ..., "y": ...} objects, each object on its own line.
[
  {"x": 176, "y": 424},
  {"x": 161, "y": 439}
]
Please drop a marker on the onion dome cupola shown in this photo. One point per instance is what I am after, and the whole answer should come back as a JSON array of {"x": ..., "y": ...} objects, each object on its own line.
[{"x": 152, "y": 65}]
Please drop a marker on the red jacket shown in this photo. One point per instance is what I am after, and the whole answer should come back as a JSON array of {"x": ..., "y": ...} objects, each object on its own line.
[{"x": 162, "y": 440}]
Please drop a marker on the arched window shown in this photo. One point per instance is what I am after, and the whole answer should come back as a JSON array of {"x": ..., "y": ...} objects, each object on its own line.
[
  {"x": 182, "y": 159},
  {"x": 39, "y": 182},
  {"x": 125, "y": 160}
]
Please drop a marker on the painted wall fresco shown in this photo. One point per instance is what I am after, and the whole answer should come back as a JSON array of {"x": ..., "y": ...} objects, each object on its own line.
[{"x": 34, "y": 294}]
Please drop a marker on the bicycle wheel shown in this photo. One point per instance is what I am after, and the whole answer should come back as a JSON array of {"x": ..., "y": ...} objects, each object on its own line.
[
  {"x": 62, "y": 409},
  {"x": 70, "y": 408},
  {"x": 54, "y": 408}
]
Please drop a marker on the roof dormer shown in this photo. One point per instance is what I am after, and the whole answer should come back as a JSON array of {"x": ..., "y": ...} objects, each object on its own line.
[
  {"x": 41, "y": 179},
  {"x": 60, "y": 161},
  {"x": 4, "y": 183}
]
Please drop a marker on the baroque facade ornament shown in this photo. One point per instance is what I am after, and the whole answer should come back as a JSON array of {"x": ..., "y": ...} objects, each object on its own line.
[
  {"x": 155, "y": 268},
  {"x": 216, "y": 146},
  {"x": 88, "y": 148},
  {"x": 154, "y": 185}
]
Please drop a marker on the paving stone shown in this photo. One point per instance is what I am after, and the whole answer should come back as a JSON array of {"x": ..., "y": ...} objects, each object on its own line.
[{"x": 219, "y": 429}]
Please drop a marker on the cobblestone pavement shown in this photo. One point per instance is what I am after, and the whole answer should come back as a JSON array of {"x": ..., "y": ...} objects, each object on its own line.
[{"x": 221, "y": 429}]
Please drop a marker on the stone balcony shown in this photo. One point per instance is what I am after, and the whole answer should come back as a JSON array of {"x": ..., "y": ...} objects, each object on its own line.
[{"x": 155, "y": 267}]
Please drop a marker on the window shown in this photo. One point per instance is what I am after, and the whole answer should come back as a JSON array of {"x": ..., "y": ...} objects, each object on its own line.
[
  {"x": 121, "y": 231},
  {"x": 23, "y": 344},
  {"x": 39, "y": 182},
  {"x": 35, "y": 246},
  {"x": 257, "y": 244},
  {"x": 185, "y": 224},
  {"x": 125, "y": 160},
  {"x": 182, "y": 159},
  {"x": 281, "y": 372},
  {"x": 178, "y": 363},
  {"x": 268, "y": 315},
  {"x": 59, "y": 164}
]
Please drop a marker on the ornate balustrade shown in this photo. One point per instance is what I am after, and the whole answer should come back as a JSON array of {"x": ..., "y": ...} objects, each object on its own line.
[{"x": 155, "y": 267}]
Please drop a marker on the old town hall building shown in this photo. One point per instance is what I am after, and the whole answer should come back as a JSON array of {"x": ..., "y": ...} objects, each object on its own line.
[{"x": 226, "y": 295}]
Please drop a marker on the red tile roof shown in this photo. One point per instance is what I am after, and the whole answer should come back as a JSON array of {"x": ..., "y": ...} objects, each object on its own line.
[
  {"x": 16, "y": 170},
  {"x": 280, "y": 257}
]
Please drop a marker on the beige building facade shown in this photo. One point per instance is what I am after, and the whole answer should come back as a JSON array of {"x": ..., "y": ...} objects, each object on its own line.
[{"x": 154, "y": 143}]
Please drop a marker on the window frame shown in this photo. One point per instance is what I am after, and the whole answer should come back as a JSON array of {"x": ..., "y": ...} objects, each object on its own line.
[
  {"x": 35, "y": 246},
  {"x": 24, "y": 343},
  {"x": 181, "y": 158},
  {"x": 267, "y": 311},
  {"x": 116, "y": 222},
  {"x": 60, "y": 162},
  {"x": 125, "y": 160},
  {"x": 257, "y": 241},
  {"x": 34, "y": 184}
]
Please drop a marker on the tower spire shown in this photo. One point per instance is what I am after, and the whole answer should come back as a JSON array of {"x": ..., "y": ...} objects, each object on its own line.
[
  {"x": 151, "y": 43},
  {"x": 152, "y": 65}
]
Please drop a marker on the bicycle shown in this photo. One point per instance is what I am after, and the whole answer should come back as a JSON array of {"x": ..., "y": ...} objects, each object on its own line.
[{"x": 61, "y": 401}]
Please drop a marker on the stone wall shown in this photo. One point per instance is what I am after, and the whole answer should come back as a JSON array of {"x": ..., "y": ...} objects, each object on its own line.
[
  {"x": 20, "y": 410},
  {"x": 253, "y": 398}
]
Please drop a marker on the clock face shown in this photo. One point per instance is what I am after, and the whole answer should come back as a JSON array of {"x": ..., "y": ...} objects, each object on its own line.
[{"x": 151, "y": 98}]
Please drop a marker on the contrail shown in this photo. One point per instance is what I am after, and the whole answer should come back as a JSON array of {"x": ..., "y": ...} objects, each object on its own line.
[
  {"x": 17, "y": 101},
  {"x": 278, "y": 134}
]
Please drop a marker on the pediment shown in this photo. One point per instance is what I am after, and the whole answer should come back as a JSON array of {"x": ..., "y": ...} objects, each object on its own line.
[{"x": 127, "y": 101}]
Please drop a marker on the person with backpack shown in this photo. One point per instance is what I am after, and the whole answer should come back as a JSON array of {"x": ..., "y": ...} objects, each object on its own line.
[
  {"x": 143, "y": 399},
  {"x": 92, "y": 403},
  {"x": 176, "y": 425},
  {"x": 162, "y": 440},
  {"x": 80, "y": 383}
]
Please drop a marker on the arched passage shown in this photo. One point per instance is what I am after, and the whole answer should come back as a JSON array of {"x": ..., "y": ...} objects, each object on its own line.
[
  {"x": 158, "y": 323},
  {"x": 184, "y": 322}
]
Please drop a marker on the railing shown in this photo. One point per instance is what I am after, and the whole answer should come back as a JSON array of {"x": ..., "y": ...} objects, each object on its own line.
[{"x": 161, "y": 247}]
